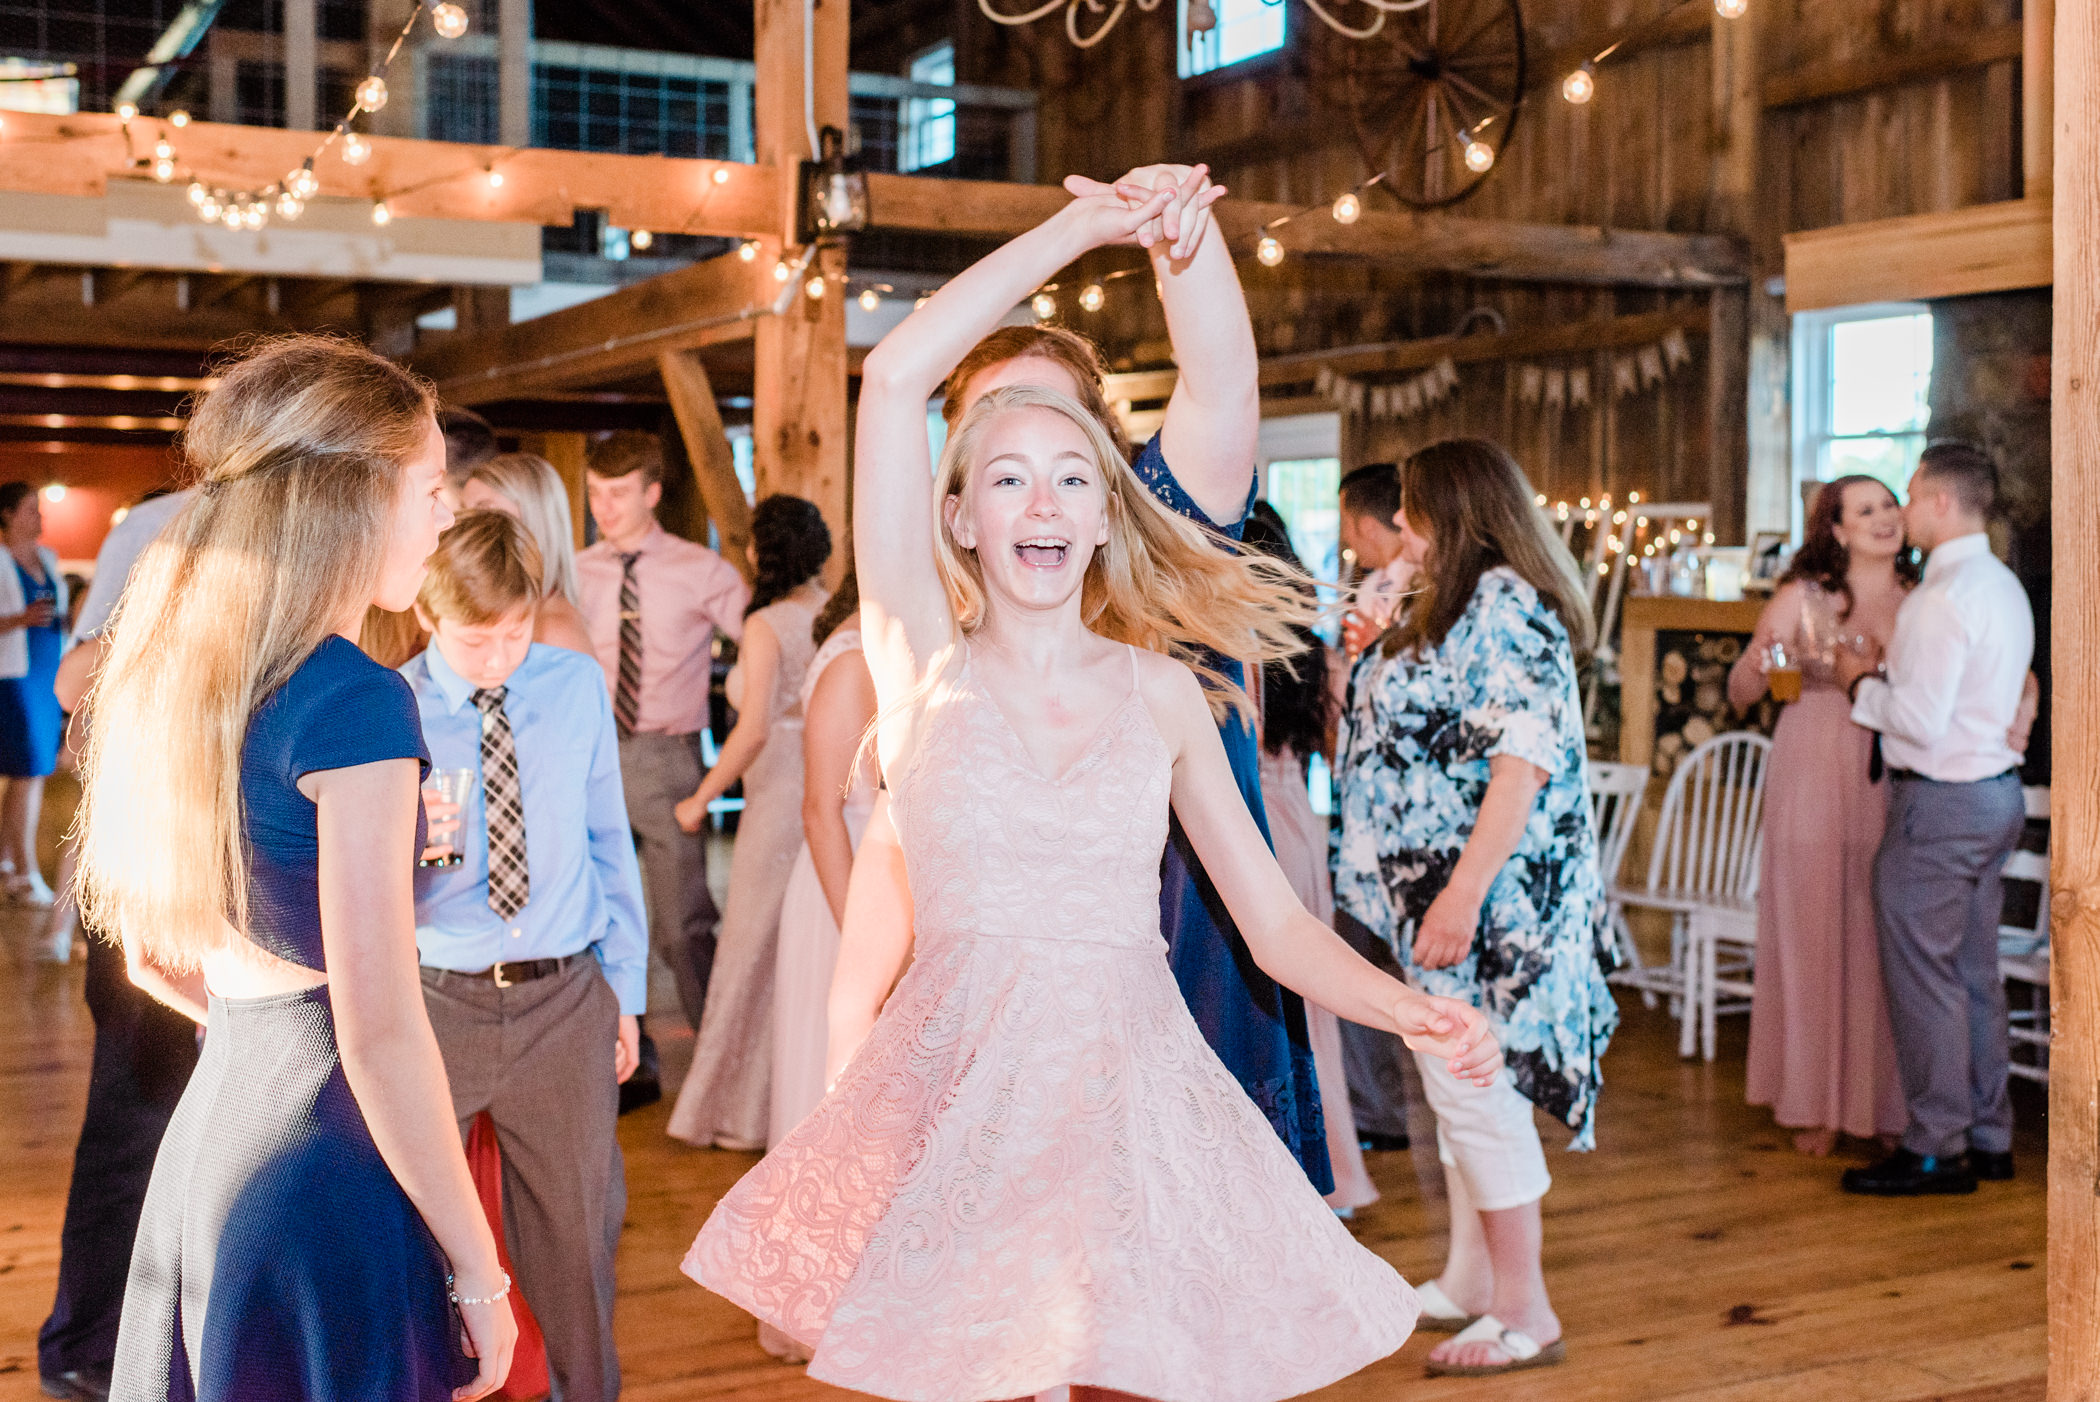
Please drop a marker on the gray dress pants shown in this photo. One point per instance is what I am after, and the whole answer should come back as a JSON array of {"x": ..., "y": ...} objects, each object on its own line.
[
  {"x": 658, "y": 771},
  {"x": 1372, "y": 1058},
  {"x": 538, "y": 1057},
  {"x": 1937, "y": 895}
]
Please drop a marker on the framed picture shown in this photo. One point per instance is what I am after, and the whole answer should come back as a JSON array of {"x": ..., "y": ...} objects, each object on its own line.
[{"x": 1768, "y": 557}]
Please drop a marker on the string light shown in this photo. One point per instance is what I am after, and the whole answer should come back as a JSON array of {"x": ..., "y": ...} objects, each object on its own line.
[
  {"x": 814, "y": 288},
  {"x": 1634, "y": 497},
  {"x": 1269, "y": 251},
  {"x": 302, "y": 184},
  {"x": 641, "y": 239},
  {"x": 781, "y": 271},
  {"x": 495, "y": 178},
  {"x": 448, "y": 19},
  {"x": 162, "y": 151},
  {"x": 381, "y": 215},
  {"x": 1347, "y": 207},
  {"x": 55, "y": 493},
  {"x": 178, "y": 118},
  {"x": 1092, "y": 297},
  {"x": 208, "y": 207},
  {"x": 356, "y": 150},
  {"x": 197, "y": 193},
  {"x": 126, "y": 111},
  {"x": 1581, "y": 85},
  {"x": 721, "y": 175},
  {"x": 1043, "y": 305},
  {"x": 1731, "y": 9},
  {"x": 1479, "y": 155},
  {"x": 371, "y": 94},
  {"x": 290, "y": 206},
  {"x": 164, "y": 171},
  {"x": 747, "y": 250}
]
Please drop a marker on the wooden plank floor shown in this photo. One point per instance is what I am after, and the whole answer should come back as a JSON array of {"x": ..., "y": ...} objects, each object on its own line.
[{"x": 1694, "y": 1256}]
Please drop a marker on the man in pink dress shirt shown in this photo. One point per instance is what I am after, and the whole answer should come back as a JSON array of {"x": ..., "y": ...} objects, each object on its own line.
[{"x": 653, "y": 603}]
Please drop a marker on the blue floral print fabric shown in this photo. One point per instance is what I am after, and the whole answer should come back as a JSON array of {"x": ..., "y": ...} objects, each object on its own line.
[{"x": 1413, "y": 769}]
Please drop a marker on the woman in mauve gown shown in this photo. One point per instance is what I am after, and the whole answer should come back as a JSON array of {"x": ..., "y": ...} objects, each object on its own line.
[{"x": 1821, "y": 1054}]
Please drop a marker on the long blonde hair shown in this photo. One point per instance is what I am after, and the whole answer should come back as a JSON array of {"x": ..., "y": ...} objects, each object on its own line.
[
  {"x": 531, "y": 484},
  {"x": 299, "y": 453},
  {"x": 1160, "y": 583}
]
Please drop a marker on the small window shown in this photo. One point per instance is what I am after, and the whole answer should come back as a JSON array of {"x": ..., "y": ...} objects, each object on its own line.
[
  {"x": 1862, "y": 385},
  {"x": 1245, "y": 29},
  {"x": 928, "y": 135}
]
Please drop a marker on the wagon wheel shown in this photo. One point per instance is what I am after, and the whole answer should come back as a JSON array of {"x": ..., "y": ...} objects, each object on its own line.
[{"x": 1425, "y": 85}]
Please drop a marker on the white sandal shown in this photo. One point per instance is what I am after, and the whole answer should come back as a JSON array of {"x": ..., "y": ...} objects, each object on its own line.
[
  {"x": 1440, "y": 1313},
  {"x": 1523, "y": 1350}
]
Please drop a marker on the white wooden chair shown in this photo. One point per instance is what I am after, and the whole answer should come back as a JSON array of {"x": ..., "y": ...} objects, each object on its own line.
[
  {"x": 1616, "y": 791},
  {"x": 2023, "y": 956},
  {"x": 710, "y": 754},
  {"x": 1708, "y": 842}
]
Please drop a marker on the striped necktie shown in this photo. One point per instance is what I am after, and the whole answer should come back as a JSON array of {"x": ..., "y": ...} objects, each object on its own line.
[
  {"x": 510, "y": 882},
  {"x": 627, "y": 694}
]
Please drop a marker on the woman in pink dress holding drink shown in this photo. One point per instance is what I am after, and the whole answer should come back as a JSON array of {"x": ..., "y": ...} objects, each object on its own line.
[{"x": 1821, "y": 1054}]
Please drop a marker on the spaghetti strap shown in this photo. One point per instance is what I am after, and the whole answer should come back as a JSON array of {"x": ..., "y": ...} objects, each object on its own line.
[{"x": 1133, "y": 667}]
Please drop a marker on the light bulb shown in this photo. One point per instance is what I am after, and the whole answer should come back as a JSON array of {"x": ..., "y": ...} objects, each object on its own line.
[
  {"x": 290, "y": 205},
  {"x": 257, "y": 216},
  {"x": 197, "y": 192},
  {"x": 448, "y": 19},
  {"x": 164, "y": 171},
  {"x": 178, "y": 118},
  {"x": 641, "y": 239},
  {"x": 231, "y": 216},
  {"x": 1539, "y": 500},
  {"x": 1634, "y": 497},
  {"x": 1092, "y": 297},
  {"x": 721, "y": 175},
  {"x": 126, "y": 111},
  {"x": 302, "y": 183},
  {"x": 747, "y": 250},
  {"x": 1479, "y": 155},
  {"x": 781, "y": 271},
  {"x": 1347, "y": 207},
  {"x": 870, "y": 299},
  {"x": 1269, "y": 251},
  {"x": 381, "y": 215},
  {"x": 208, "y": 209},
  {"x": 1731, "y": 9},
  {"x": 55, "y": 493},
  {"x": 371, "y": 93},
  {"x": 356, "y": 150},
  {"x": 1580, "y": 86},
  {"x": 162, "y": 151},
  {"x": 495, "y": 179},
  {"x": 1043, "y": 305},
  {"x": 814, "y": 288}
]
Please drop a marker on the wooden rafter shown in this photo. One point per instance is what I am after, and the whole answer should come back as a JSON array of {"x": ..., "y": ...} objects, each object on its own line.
[
  {"x": 1984, "y": 248},
  {"x": 1819, "y": 82}
]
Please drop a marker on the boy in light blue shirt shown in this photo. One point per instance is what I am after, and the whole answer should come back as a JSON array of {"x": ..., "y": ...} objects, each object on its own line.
[{"x": 530, "y": 929}]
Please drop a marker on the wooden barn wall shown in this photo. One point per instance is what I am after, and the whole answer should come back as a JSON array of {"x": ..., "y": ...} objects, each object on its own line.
[{"x": 1642, "y": 155}]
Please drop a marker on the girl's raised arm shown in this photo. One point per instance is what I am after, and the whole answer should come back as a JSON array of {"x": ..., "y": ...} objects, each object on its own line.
[{"x": 904, "y": 611}]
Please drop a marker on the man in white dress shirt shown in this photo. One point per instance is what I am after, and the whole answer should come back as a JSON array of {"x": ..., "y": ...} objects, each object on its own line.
[{"x": 1943, "y": 706}]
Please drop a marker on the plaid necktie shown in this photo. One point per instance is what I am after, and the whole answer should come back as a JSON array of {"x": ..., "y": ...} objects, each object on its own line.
[
  {"x": 627, "y": 695},
  {"x": 510, "y": 883}
]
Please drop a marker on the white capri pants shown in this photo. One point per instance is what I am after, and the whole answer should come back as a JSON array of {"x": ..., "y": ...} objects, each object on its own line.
[{"x": 1487, "y": 1136}]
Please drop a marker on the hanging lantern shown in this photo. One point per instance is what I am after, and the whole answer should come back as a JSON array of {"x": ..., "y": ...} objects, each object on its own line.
[
  {"x": 1581, "y": 85},
  {"x": 371, "y": 93},
  {"x": 448, "y": 19},
  {"x": 834, "y": 194},
  {"x": 1269, "y": 251}
]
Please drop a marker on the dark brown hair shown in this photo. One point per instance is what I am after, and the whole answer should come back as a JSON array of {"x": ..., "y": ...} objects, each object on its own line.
[
  {"x": 1473, "y": 502},
  {"x": 1965, "y": 470},
  {"x": 1296, "y": 706},
  {"x": 1053, "y": 343},
  {"x": 626, "y": 451},
  {"x": 841, "y": 608},
  {"x": 1821, "y": 559}
]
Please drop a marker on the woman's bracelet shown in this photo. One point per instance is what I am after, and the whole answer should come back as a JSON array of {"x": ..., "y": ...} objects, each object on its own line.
[{"x": 458, "y": 1299}]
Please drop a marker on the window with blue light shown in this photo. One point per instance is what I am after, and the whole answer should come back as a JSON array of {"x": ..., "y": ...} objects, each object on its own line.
[
  {"x": 1862, "y": 382},
  {"x": 927, "y": 137},
  {"x": 1245, "y": 29}
]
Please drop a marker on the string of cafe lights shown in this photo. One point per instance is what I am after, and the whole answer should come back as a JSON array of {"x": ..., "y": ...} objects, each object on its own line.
[{"x": 251, "y": 208}]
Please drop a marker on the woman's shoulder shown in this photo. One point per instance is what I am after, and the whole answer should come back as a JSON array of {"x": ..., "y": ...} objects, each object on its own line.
[{"x": 1504, "y": 600}]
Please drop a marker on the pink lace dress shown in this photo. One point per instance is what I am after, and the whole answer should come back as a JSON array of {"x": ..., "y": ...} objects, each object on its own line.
[{"x": 1035, "y": 1171}]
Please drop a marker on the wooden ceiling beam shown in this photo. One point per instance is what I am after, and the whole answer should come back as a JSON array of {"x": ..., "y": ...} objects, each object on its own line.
[
  {"x": 1845, "y": 77},
  {"x": 1983, "y": 248},
  {"x": 614, "y": 337}
]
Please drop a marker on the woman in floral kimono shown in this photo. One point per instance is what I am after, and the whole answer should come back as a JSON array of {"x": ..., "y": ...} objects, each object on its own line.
[{"x": 1466, "y": 842}]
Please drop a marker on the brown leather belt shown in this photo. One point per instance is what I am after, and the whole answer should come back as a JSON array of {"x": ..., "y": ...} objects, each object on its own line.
[{"x": 505, "y": 975}]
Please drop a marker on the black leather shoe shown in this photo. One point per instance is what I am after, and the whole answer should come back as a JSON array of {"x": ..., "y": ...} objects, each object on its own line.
[
  {"x": 1904, "y": 1174},
  {"x": 79, "y": 1385},
  {"x": 1372, "y": 1142},
  {"x": 1989, "y": 1167}
]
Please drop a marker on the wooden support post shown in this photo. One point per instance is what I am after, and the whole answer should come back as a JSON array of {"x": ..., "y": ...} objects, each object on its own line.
[
  {"x": 1738, "y": 116},
  {"x": 798, "y": 408},
  {"x": 2074, "y": 828},
  {"x": 714, "y": 466},
  {"x": 2037, "y": 95},
  {"x": 567, "y": 452}
]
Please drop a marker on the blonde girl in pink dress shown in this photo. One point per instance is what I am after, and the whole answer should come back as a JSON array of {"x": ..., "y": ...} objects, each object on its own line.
[{"x": 1035, "y": 1172}]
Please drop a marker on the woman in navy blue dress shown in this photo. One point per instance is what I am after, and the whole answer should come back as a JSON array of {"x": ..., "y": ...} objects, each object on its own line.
[
  {"x": 250, "y": 824},
  {"x": 32, "y": 638},
  {"x": 1256, "y": 1026}
]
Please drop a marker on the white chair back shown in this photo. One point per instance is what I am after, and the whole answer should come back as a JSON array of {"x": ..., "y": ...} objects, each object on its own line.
[
  {"x": 2023, "y": 865},
  {"x": 1711, "y": 833},
  {"x": 1616, "y": 791}
]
